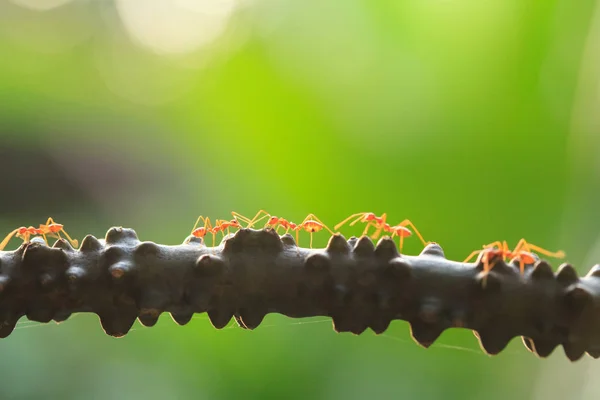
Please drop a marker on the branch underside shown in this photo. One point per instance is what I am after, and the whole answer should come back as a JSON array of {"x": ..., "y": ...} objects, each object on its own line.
[{"x": 256, "y": 272}]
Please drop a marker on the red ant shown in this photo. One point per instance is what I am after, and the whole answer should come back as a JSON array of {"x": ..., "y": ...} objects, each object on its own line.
[
  {"x": 523, "y": 252},
  {"x": 368, "y": 217},
  {"x": 399, "y": 230},
  {"x": 380, "y": 225},
  {"x": 54, "y": 229},
  {"x": 311, "y": 224},
  {"x": 50, "y": 228},
  {"x": 222, "y": 224},
  {"x": 23, "y": 232},
  {"x": 278, "y": 222}
]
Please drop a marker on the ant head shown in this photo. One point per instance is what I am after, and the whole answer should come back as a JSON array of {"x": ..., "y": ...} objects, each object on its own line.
[
  {"x": 22, "y": 230},
  {"x": 273, "y": 221},
  {"x": 234, "y": 223}
]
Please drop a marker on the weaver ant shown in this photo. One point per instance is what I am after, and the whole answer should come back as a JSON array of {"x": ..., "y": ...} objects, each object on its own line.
[
  {"x": 396, "y": 230},
  {"x": 23, "y": 232},
  {"x": 311, "y": 224},
  {"x": 380, "y": 225},
  {"x": 53, "y": 229},
  {"x": 523, "y": 252},
  {"x": 399, "y": 230},
  {"x": 368, "y": 217},
  {"x": 222, "y": 224},
  {"x": 50, "y": 228},
  {"x": 279, "y": 222}
]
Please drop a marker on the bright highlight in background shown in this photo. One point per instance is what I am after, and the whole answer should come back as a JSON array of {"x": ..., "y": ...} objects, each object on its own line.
[{"x": 175, "y": 27}]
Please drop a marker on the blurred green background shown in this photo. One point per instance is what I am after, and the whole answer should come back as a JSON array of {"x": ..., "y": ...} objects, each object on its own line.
[{"x": 476, "y": 119}]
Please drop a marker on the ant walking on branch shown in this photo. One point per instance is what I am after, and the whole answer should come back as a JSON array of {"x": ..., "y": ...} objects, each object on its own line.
[
  {"x": 53, "y": 229},
  {"x": 367, "y": 217},
  {"x": 523, "y": 252},
  {"x": 49, "y": 229},
  {"x": 22, "y": 232},
  {"x": 381, "y": 225},
  {"x": 311, "y": 224}
]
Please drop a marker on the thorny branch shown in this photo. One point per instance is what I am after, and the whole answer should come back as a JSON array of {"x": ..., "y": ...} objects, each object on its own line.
[{"x": 256, "y": 272}]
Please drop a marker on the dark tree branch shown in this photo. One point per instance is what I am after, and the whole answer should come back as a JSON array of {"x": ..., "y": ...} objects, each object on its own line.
[{"x": 256, "y": 272}]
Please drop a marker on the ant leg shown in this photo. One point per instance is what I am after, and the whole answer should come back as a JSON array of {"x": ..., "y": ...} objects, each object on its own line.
[
  {"x": 74, "y": 242},
  {"x": 357, "y": 220},
  {"x": 486, "y": 269},
  {"x": 376, "y": 234},
  {"x": 378, "y": 229},
  {"x": 473, "y": 254},
  {"x": 379, "y": 225},
  {"x": 497, "y": 244},
  {"x": 359, "y": 215},
  {"x": 493, "y": 263},
  {"x": 219, "y": 226},
  {"x": 7, "y": 239},
  {"x": 407, "y": 222},
  {"x": 51, "y": 235},
  {"x": 521, "y": 265},
  {"x": 256, "y": 219},
  {"x": 198, "y": 220},
  {"x": 522, "y": 244},
  {"x": 26, "y": 236},
  {"x": 248, "y": 221},
  {"x": 400, "y": 242},
  {"x": 209, "y": 228},
  {"x": 367, "y": 226},
  {"x": 533, "y": 248}
]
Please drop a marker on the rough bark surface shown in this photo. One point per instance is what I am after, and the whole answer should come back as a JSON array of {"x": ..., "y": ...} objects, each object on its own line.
[{"x": 255, "y": 272}]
